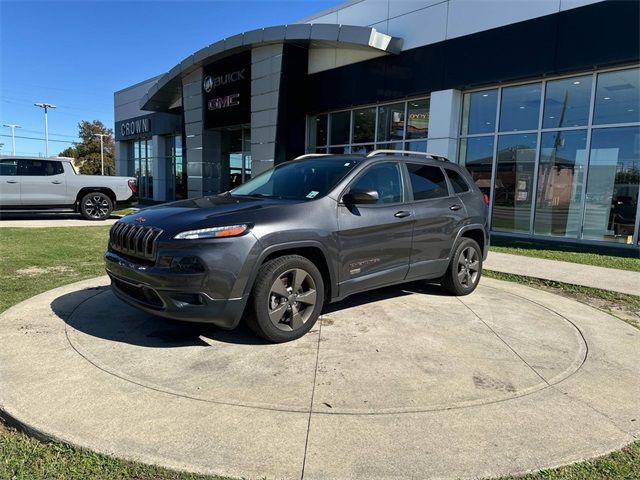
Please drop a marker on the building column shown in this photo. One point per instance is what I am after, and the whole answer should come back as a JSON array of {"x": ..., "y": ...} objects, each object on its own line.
[
  {"x": 445, "y": 113},
  {"x": 159, "y": 167},
  {"x": 122, "y": 159},
  {"x": 266, "y": 68}
]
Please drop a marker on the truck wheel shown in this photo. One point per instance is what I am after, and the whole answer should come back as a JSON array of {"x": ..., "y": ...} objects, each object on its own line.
[
  {"x": 287, "y": 299},
  {"x": 96, "y": 206},
  {"x": 465, "y": 268}
]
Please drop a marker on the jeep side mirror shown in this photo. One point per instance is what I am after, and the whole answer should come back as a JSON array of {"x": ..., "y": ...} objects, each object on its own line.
[{"x": 360, "y": 197}]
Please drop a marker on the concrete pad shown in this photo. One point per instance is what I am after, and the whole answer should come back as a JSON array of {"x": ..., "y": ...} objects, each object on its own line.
[
  {"x": 47, "y": 220},
  {"x": 400, "y": 382},
  {"x": 612, "y": 279}
]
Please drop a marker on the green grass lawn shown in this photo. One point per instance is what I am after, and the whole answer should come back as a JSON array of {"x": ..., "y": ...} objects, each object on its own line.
[
  {"x": 37, "y": 260},
  {"x": 566, "y": 255}
]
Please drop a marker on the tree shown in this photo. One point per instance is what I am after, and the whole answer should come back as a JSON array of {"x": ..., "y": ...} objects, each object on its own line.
[{"x": 87, "y": 152}]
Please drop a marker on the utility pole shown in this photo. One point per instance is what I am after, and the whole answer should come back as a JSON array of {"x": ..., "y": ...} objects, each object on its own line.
[
  {"x": 46, "y": 107},
  {"x": 101, "y": 135},
  {"x": 13, "y": 127}
]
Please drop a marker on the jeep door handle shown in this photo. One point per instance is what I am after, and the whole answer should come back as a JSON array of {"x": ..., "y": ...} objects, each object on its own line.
[
  {"x": 455, "y": 207},
  {"x": 402, "y": 214},
  {"x": 57, "y": 182},
  {"x": 12, "y": 181}
]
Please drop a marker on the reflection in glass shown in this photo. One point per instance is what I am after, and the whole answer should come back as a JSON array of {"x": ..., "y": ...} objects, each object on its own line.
[
  {"x": 391, "y": 122},
  {"x": 364, "y": 125},
  {"x": 476, "y": 154},
  {"x": 340, "y": 128},
  {"x": 618, "y": 97},
  {"x": 317, "y": 130},
  {"x": 520, "y": 107},
  {"x": 561, "y": 173},
  {"x": 417, "y": 146},
  {"x": 566, "y": 102},
  {"x": 344, "y": 149},
  {"x": 479, "y": 112},
  {"x": 362, "y": 148},
  {"x": 612, "y": 184},
  {"x": 390, "y": 146},
  {"x": 514, "y": 182},
  {"x": 418, "y": 119}
]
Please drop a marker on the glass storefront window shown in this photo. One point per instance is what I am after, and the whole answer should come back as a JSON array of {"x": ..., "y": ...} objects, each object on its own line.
[
  {"x": 520, "y": 107},
  {"x": 514, "y": 182},
  {"x": 318, "y": 126},
  {"x": 391, "y": 122},
  {"x": 563, "y": 162},
  {"x": 143, "y": 166},
  {"x": 566, "y": 102},
  {"x": 418, "y": 119},
  {"x": 416, "y": 146},
  {"x": 364, "y": 125},
  {"x": 617, "y": 97},
  {"x": 612, "y": 184},
  {"x": 479, "y": 112},
  {"x": 476, "y": 153},
  {"x": 340, "y": 128}
]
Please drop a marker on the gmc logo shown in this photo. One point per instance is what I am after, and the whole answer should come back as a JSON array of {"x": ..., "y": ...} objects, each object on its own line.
[{"x": 227, "y": 101}]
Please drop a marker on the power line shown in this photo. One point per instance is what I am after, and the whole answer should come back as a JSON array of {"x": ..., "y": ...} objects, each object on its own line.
[{"x": 36, "y": 138}]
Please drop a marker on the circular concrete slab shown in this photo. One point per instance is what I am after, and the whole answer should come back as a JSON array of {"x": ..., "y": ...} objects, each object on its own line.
[{"x": 404, "y": 381}]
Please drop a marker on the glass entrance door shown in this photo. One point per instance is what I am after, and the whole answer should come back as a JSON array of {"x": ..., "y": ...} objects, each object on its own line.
[{"x": 236, "y": 145}]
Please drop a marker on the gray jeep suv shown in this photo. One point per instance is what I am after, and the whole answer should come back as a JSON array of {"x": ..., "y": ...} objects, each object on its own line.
[{"x": 307, "y": 232}]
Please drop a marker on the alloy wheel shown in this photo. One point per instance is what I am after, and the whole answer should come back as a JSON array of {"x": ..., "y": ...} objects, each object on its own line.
[
  {"x": 292, "y": 299},
  {"x": 96, "y": 206},
  {"x": 468, "y": 267}
]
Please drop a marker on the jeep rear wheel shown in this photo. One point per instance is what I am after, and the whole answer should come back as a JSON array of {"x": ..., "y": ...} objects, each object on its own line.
[
  {"x": 465, "y": 268},
  {"x": 287, "y": 298},
  {"x": 96, "y": 206}
]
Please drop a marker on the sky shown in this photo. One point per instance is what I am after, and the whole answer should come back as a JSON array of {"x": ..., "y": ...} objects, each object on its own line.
[{"x": 76, "y": 54}]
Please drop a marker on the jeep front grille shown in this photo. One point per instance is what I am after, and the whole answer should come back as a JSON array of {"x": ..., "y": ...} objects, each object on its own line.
[{"x": 134, "y": 240}]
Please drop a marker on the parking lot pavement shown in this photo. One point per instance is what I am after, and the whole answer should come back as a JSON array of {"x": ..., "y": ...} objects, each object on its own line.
[
  {"x": 46, "y": 220},
  {"x": 400, "y": 382}
]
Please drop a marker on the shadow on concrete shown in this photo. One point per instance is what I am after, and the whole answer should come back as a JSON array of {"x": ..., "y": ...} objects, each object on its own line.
[{"x": 97, "y": 312}]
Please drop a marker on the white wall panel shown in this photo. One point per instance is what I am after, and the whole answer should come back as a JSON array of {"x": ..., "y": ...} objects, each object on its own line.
[
  {"x": 422, "y": 27},
  {"x": 471, "y": 16},
  {"x": 329, "y": 18},
  {"x": 569, "y": 4},
  {"x": 364, "y": 13},
  {"x": 401, "y": 7}
]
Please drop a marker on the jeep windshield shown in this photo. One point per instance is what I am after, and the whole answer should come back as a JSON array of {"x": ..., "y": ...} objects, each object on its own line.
[{"x": 305, "y": 179}]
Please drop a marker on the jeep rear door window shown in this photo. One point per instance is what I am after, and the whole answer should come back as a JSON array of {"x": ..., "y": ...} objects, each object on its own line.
[
  {"x": 41, "y": 168},
  {"x": 305, "y": 179},
  {"x": 427, "y": 181},
  {"x": 383, "y": 178},
  {"x": 457, "y": 182}
]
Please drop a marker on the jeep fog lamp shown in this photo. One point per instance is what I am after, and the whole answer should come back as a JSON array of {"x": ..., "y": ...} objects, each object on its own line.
[{"x": 214, "y": 232}]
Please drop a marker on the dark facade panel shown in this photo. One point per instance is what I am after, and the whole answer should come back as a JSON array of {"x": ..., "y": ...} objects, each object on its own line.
[{"x": 600, "y": 34}]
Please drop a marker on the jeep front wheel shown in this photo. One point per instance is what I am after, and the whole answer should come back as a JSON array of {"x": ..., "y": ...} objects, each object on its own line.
[
  {"x": 288, "y": 296},
  {"x": 96, "y": 206}
]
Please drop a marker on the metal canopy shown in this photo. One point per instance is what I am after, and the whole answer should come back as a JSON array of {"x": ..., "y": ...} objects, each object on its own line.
[{"x": 168, "y": 88}]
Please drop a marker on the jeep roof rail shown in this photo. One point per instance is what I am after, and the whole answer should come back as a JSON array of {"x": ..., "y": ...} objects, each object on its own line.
[
  {"x": 407, "y": 152},
  {"x": 312, "y": 155}
]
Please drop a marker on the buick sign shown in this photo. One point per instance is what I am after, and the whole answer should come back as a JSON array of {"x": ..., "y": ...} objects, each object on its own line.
[{"x": 211, "y": 82}]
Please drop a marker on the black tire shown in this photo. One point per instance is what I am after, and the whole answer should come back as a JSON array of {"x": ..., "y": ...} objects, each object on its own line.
[
  {"x": 96, "y": 206},
  {"x": 465, "y": 268},
  {"x": 277, "y": 312}
]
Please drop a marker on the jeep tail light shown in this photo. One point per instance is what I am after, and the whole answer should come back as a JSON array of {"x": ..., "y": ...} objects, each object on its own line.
[
  {"x": 486, "y": 198},
  {"x": 133, "y": 186}
]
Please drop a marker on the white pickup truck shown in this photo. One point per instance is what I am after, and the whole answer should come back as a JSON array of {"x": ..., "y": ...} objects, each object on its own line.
[{"x": 52, "y": 184}]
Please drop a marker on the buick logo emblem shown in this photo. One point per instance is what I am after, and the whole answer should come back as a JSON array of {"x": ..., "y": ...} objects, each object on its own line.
[
  {"x": 141, "y": 219},
  {"x": 208, "y": 83}
]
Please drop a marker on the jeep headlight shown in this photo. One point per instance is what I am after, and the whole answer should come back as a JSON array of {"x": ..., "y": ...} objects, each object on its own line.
[{"x": 213, "y": 232}]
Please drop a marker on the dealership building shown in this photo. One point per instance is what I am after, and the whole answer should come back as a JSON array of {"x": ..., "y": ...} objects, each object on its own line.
[{"x": 540, "y": 100}]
